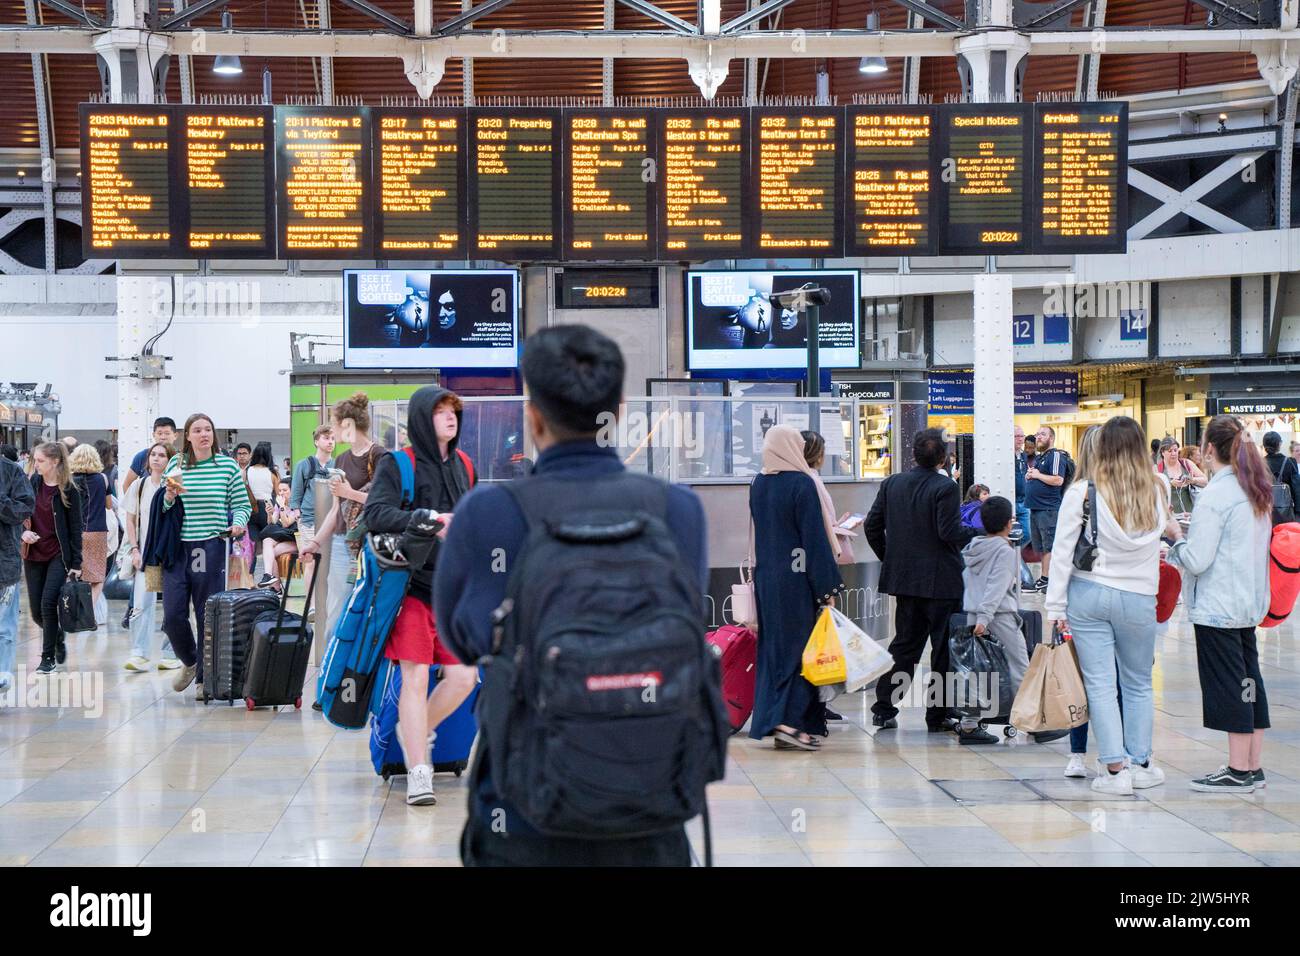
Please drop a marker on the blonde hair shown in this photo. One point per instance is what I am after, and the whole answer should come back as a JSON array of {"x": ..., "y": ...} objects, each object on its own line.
[
  {"x": 1123, "y": 475},
  {"x": 84, "y": 460},
  {"x": 57, "y": 452},
  {"x": 1083, "y": 464}
]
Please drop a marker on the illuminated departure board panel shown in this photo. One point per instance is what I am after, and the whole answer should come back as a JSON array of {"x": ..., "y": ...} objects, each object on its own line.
[
  {"x": 228, "y": 173},
  {"x": 419, "y": 177},
  {"x": 704, "y": 184},
  {"x": 125, "y": 182},
  {"x": 1081, "y": 199},
  {"x": 610, "y": 172},
  {"x": 984, "y": 183},
  {"x": 891, "y": 156},
  {"x": 796, "y": 167},
  {"x": 323, "y": 176},
  {"x": 514, "y": 184}
]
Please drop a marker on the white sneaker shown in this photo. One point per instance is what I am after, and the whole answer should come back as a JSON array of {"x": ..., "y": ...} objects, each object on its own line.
[
  {"x": 1116, "y": 784},
  {"x": 184, "y": 678},
  {"x": 419, "y": 786},
  {"x": 137, "y": 664},
  {"x": 1075, "y": 767},
  {"x": 1146, "y": 777},
  {"x": 169, "y": 664}
]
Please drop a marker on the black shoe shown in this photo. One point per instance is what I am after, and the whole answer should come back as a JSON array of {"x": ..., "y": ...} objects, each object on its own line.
[
  {"x": 1040, "y": 584},
  {"x": 61, "y": 653},
  {"x": 976, "y": 735},
  {"x": 126, "y": 621},
  {"x": 1260, "y": 783},
  {"x": 948, "y": 726},
  {"x": 831, "y": 715},
  {"x": 315, "y": 705},
  {"x": 1225, "y": 780},
  {"x": 1047, "y": 736},
  {"x": 884, "y": 723},
  {"x": 46, "y": 666}
]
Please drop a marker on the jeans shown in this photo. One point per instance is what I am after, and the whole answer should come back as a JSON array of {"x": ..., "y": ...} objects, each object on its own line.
[
  {"x": 8, "y": 632},
  {"x": 337, "y": 590},
  {"x": 1079, "y": 735},
  {"x": 143, "y": 621},
  {"x": 44, "y": 582},
  {"x": 1022, "y": 516},
  {"x": 1115, "y": 629},
  {"x": 190, "y": 583}
]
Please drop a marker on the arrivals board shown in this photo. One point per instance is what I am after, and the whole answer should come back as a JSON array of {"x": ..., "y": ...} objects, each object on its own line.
[
  {"x": 1081, "y": 178},
  {"x": 984, "y": 182},
  {"x": 514, "y": 184},
  {"x": 125, "y": 182},
  {"x": 228, "y": 154},
  {"x": 796, "y": 166},
  {"x": 610, "y": 175},
  {"x": 705, "y": 184},
  {"x": 419, "y": 175},
  {"x": 890, "y": 154},
  {"x": 323, "y": 166}
]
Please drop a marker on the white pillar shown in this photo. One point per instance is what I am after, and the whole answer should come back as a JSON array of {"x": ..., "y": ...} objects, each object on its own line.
[
  {"x": 143, "y": 303},
  {"x": 994, "y": 390}
]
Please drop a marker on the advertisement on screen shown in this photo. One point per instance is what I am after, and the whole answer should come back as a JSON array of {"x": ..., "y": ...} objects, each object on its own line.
[
  {"x": 731, "y": 322},
  {"x": 395, "y": 318}
]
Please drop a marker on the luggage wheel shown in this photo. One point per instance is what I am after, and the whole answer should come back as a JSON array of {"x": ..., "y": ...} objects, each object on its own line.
[
  {"x": 1008, "y": 731},
  {"x": 458, "y": 772},
  {"x": 250, "y": 703},
  {"x": 297, "y": 703}
]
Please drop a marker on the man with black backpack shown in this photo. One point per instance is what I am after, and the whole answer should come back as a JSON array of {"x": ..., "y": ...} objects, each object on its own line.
[
  {"x": 1286, "y": 479},
  {"x": 579, "y": 589},
  {"x": 1045, "y": 482}
]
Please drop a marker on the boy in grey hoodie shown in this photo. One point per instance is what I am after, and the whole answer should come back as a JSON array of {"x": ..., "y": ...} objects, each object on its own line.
[{"x": 992, "y": 585}]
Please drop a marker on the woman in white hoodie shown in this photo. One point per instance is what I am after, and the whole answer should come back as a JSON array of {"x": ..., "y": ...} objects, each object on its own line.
[{"x": 1111, "y": 609}]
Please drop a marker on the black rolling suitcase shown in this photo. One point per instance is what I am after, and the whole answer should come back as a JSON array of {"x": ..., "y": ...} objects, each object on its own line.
[
  {"x": 279, "y": 650},
  {"x": 227, "y": 622},
  {"x": 1031, "y": 622}
]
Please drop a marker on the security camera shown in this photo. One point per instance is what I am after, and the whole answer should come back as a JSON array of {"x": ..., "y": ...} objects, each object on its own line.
[{"x": 801, "y": 298}]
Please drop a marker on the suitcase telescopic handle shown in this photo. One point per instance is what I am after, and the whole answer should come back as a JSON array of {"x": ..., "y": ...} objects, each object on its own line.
[{"x": 284, "y": 596}]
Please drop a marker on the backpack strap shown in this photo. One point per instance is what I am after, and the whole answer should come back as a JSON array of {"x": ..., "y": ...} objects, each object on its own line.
[
  {"x": 469, "y": 467},
  {"x": 405, "y": 460}
]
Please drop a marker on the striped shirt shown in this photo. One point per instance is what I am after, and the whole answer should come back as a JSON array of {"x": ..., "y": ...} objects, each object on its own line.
[{"x": 214, "y": 490}]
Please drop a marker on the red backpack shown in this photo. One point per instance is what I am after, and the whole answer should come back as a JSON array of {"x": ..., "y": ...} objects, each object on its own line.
[
  {"x": 1170, "y": 586},
  {"x": 1283, "y": 573}
]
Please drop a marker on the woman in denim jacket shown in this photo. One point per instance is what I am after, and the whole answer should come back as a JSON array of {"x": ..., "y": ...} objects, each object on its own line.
[{"x": 1224, "y": 559}]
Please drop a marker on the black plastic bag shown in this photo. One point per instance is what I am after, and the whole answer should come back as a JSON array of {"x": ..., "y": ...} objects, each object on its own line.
[
  {"x": 76, "y": 607},
  {"x": 981, "y": 678}
]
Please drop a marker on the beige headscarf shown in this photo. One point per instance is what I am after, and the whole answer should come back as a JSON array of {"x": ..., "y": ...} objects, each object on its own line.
[{"x": 783, "y": 451}]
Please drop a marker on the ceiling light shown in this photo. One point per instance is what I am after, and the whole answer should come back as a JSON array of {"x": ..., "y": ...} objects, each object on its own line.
[
  {"x": 873, "y": 65},
  {"x": 227, "y": 65}
]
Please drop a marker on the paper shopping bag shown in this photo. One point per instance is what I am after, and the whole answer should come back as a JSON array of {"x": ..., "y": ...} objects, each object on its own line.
[
  {"x": 1027, "y": 709},
  {"x": 1065, "y": 702},
  {"x": 864, "y": 659},
  {"x": 823, "y": 656}
]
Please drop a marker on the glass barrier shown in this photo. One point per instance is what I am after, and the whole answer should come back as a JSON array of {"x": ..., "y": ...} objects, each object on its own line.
[{"x": 685, "y": 439}]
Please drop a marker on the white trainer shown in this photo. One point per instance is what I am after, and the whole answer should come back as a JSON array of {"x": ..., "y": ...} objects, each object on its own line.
[
  {"x": 184, "y": 678},
  {"x": 137, "y": 664},
  {"x": 1075, "y": 767},
  {"x": 170, "y": 664},
  {"x": 1146, "y": 777},
  {"x": 419, "y": 786},
  {"x": 1116, "y": 784}
]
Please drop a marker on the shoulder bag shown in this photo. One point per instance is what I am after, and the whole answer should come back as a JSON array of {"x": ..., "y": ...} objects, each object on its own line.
[
  {"x": 744, "y": 606},
  {"x": 1085, "y": 549}
]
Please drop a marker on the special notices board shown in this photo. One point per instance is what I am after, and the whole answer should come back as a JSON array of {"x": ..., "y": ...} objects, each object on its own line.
[
  {"x": 229, "y": 170},
  {"x": 610, "y": 170},
  {"x": 125, "y": 182},
  {"x": 705, "y": 184},
  {"x": 796, "y": 165},
  {"x": 891, "y": 156},
  {"x": 984, "y": 185},
  {"x": 323, "y": 165},
  {"x": 1081, "y": 194},
  {"x": 419, "y": 158},
  {"x": 514, "y": 184}
]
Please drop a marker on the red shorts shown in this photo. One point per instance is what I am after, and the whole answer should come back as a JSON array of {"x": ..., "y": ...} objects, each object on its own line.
[{"x": 415, "y": 636}]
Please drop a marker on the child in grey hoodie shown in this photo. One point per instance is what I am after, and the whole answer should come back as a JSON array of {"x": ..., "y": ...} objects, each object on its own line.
[{"x": 992, "y": 585}]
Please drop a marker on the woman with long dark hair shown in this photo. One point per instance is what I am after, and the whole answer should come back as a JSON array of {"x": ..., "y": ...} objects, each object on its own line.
[
  {"x": 1111, "y": 608},
  {"x": 1225, "y": 564},
  {"x": 263, "y": 480},
  {"x": 53, "y": 547}
]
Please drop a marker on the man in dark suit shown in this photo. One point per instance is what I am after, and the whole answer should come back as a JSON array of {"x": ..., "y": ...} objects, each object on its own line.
[{"x": 915, "y": 529}]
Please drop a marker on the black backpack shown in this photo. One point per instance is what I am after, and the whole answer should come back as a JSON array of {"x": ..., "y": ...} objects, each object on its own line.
[
  {"x": 601, "y": 704},
  {"x": 1283, "y": 501},
  {"x": 1068, "y": 473}
]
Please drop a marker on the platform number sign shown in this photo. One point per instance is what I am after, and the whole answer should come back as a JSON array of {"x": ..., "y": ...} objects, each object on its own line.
[
  {"x": 1056, "y": 329},
  {"x": 1133, "y": 325},
  {"x": 1022, "y": 329}
]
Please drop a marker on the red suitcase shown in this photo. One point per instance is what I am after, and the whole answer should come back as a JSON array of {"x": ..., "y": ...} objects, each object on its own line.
[{"x": 737, "y": 648}]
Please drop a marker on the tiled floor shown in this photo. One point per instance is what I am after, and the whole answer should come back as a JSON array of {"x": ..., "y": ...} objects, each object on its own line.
[{"x": 152, "y": 778}]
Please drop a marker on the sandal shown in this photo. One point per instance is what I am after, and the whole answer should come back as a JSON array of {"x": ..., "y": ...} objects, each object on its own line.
[{"x": 785, "y": 741}]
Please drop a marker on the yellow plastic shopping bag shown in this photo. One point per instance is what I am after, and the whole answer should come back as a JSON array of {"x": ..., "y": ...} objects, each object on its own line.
[{"x": 823, "y": 656}]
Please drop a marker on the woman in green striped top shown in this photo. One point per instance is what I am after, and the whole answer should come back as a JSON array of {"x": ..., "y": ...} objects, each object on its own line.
[{"x": 211, "y": 488}]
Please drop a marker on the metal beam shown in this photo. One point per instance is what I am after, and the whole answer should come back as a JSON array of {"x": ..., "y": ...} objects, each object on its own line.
[
  {"x": 662, "y": 16},
  {"x": 378, "y": 14},
  {"x": 1187, "y": 201},
  {"x": 1047, "y": 16},
  {"x": 933, "y": 14},
  {"x": 754, "y": 15},
  {"x": 75, "y": 12},
  {"x": 189, "y": 14},
  {"x": 1274, "y": 296},
  {"x": 470, "y": 14},
  {"x": 1229, "y": 12},
  {"x": 49, "y": 169}
]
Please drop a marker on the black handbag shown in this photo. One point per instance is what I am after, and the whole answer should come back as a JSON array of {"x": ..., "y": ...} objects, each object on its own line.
[
  {"x": 1085, "y": 549},
  {"x": 76, "y": 607}
]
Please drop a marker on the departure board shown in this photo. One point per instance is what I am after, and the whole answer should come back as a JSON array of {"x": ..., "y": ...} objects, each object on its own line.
[
  {"x": 323, "y": 173},
  {"x": 610, "y": 173},
  {"x": 984, "y": 182},
  {"x": 796, "y": 163},
  {"x": 125, "y": 182},
  {"x": 1081, "y": 199},
  {"x": 419, "y": 175},
  {"x": 890, "y": 156},
  {"x": 228, "y": 167},
  {"x": 514, "y": 184},
  {"x": 705, "y": 176}
]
